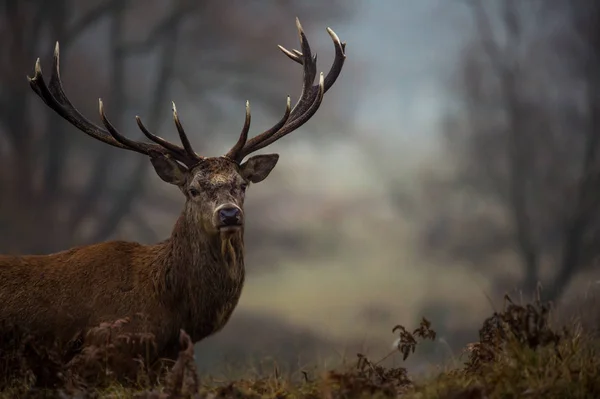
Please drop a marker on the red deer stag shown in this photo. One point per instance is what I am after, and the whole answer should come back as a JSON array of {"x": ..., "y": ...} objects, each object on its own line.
[{"x": 190, "y": 281}]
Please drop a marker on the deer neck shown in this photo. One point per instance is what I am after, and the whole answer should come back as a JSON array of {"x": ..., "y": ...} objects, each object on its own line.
[
  {"x": 202, "y": 277},
  {"x": 196, "y": 258}
]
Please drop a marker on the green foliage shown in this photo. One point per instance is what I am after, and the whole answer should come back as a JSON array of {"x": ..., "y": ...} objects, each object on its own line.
[{"x": 519, "y": 354}]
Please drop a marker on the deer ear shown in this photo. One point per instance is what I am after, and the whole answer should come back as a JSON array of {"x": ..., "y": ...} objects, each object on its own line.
[
  {"x": 168, "y": 169},
  {"x": 258, "y": 167}
]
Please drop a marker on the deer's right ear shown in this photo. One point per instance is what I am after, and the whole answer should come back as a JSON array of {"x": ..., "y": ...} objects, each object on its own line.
[
  {"x": 168, "y": 169},
  {"x": 258, "y": 167}
]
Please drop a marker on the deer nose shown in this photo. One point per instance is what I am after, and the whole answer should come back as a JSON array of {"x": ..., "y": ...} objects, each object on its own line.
[{"x": 230, "y": 216}]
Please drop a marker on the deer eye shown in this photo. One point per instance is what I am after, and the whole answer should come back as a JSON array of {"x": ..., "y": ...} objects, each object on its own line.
[{"x": 193, "y": 192}]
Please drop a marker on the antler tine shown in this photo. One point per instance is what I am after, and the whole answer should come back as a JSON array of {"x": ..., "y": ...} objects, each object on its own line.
[
  {"x": 128, "y": 143},
  {"x": 338, "y": 61},
  {"x": 56, "y": 99},
  {"x": 55, "y": 84},
  {"x": 294, "y": 124},
  {"x": 54, "y": 96},
  {"x": 309, "y": 63},
  {"x": 238, "y": 154},
  {"x": 310, "y": 98},
  {"x": 233, "y": 153},
  {"x": 194, "y": 158},
  {"x": 332, "y": 75},
  {"x": 159, "y": 140}
]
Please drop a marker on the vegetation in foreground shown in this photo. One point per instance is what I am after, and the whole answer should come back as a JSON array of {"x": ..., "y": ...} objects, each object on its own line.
[{"x": 519, "y": 354}]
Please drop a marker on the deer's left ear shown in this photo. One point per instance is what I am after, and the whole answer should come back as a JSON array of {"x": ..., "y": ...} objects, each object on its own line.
[{"x": 258, "y": 167}]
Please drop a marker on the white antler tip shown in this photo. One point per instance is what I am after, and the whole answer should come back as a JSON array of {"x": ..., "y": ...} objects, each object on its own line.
[
  {"x": 299, "y": 26},
  {"x": 332, "y": 34}
]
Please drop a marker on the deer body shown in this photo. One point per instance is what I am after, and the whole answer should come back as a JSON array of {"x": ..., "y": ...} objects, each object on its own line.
[
  {"x": 193, "y": 280},
  {"x": 181, "y": 283}
]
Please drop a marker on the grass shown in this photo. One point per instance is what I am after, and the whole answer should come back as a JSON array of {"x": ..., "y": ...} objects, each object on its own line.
[{"x": 521, "y": 353}]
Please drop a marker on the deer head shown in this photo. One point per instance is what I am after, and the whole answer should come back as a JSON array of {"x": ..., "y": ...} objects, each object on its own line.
[{"x": 214, "y": 187}]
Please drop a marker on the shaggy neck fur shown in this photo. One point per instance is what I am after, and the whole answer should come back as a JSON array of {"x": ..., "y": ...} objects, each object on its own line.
[{"x": 199, "y": 266}]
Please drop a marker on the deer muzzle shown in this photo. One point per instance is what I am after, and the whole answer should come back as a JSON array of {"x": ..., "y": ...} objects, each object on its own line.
[{"x": 228, "y": 217}]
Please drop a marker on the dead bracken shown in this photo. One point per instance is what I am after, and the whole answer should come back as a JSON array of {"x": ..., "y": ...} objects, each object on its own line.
[{"x": 519, "y": 354}]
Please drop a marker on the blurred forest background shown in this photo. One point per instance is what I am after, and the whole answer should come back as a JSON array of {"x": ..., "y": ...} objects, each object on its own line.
[{"x": 456, "y": 158}]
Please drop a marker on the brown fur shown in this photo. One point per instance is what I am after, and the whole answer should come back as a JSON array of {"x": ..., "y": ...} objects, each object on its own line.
[{"x": 191, "y": 281}]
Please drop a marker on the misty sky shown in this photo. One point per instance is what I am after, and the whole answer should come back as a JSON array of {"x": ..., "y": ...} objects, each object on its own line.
[{"x": 409, "y": 48}]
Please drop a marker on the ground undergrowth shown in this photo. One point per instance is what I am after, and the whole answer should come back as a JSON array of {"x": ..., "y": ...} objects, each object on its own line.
[{"x": 520, "y": 353}]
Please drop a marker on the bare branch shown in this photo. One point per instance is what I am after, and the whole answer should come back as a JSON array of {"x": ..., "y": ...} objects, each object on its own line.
[
  {"x": 98, "y": 183},
  {"x": 488, "y": 41},
  {"x": 576, "y": 254},
  {"x": 515, "y": 111},
  {"x": 161, "y": 29},
  {"x": 88, "y": 19},
  {"x": 122, "y": 204}
]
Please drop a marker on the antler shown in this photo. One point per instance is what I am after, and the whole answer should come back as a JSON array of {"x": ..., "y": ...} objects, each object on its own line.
[
  {"x": 307, "y": 104},
  {"x": 54, "y": 96}
]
